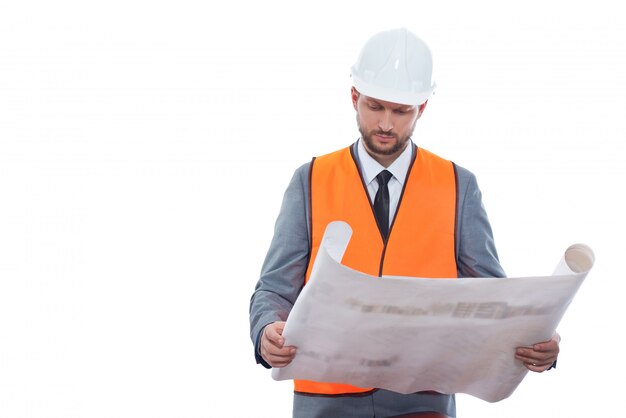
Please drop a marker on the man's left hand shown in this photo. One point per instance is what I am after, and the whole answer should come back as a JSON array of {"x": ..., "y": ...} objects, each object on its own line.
[{"x": 540, "y": 356}]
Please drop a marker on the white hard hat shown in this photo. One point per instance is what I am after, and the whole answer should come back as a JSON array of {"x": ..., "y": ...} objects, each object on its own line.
[{"x": 395, "y": 66}]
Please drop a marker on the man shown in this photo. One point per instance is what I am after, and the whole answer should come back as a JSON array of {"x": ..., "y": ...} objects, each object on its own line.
[{"x": 412, "y": 214}]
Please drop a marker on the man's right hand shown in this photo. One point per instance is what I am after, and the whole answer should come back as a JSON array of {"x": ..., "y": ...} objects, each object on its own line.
[{"x": 273, "y": 350}]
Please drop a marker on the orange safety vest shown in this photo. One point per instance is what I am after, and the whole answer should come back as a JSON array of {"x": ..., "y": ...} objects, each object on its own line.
[{"x": 421, "y": 240}]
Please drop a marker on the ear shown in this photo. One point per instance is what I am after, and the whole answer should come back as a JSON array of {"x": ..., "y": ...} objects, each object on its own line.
[
  {"x": 421, "y": 108},
  {"x": 354, "y": 93}
]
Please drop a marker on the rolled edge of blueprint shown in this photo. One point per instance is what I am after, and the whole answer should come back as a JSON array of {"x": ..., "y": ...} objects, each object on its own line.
[{"x": 578, "y": 259}]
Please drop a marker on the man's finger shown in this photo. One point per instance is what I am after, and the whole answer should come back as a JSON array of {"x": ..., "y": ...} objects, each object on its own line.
[
  {"x": 549, "y": 346},
  {"x": 538, "y": 350},
  {"x": 536, "y": 357},
  {"x": 272, "y": 349},
  {"x": 273, "y": 332},
  {"x": 278, "y": 357},
  {"x": 539, "y": 368}
]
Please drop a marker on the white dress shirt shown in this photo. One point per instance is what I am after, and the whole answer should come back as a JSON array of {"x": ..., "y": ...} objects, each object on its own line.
[{"x": 370, "y": 168}]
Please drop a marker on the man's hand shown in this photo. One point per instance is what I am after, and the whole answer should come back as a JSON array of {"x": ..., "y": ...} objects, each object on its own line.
[
  {"x": 540, "y": 356},
  {"x": 273, "y": 350}
]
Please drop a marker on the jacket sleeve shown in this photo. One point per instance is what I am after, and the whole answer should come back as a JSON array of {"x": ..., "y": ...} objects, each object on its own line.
[
  {"x": 476, "y": 254},
  {"x": 282, "y": 274}
]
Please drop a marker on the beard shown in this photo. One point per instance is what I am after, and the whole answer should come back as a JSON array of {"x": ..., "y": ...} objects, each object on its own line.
[{"x": 372, "y": 146}]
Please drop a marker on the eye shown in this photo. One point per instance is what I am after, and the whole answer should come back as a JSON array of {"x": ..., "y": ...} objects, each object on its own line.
[{"x": 373, "y": 106}]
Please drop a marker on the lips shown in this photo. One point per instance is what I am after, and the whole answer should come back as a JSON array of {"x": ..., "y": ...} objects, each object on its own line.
[{"x": 385, "y": 138}]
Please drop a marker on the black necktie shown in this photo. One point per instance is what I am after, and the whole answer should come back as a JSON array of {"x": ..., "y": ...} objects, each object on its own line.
[{"x": 381, "y": 203}]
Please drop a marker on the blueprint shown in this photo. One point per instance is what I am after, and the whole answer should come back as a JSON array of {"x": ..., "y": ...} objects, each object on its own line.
[{"x": 413, "y": 334}]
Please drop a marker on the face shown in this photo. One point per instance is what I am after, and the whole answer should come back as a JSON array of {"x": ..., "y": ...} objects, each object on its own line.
[{"x": 385, "y": 126}]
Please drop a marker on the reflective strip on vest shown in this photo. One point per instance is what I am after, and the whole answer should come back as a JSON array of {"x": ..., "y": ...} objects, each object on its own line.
[{"x": 421, "y": 239}]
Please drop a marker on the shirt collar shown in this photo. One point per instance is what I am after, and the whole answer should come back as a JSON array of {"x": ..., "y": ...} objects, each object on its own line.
[{"x": 370, "y": 168}]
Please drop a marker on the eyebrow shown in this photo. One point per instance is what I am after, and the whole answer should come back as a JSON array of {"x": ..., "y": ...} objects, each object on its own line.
[{"x": 406, "y": 108}]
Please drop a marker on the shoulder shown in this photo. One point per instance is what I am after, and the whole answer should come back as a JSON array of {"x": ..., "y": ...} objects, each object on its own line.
[
  {"x": 334, "y": 159},
  {"x": 466, "y": 180},
  {"x": 301, "y": 175},
  {"x": 298, "y": 187}
]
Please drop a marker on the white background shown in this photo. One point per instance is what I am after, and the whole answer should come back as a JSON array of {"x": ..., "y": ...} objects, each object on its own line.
[{"x": 144, "y": 151}]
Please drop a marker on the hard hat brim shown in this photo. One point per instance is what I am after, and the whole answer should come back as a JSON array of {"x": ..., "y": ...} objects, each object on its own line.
[{"x": 389, "y": 95}]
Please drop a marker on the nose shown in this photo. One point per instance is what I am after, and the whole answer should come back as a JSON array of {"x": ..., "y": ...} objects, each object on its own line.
[{"x": 385, "y": 123}]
